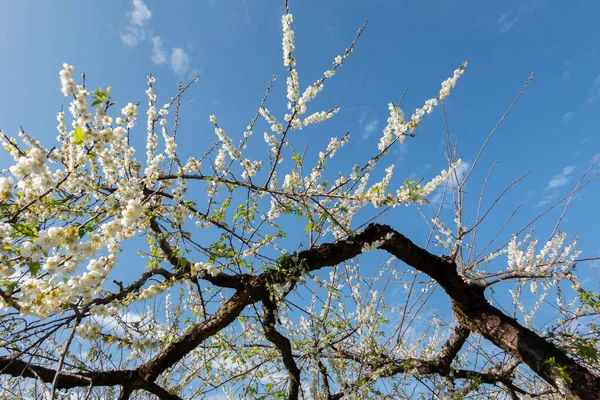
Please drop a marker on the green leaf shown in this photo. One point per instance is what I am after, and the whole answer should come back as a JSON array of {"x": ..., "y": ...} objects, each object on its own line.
[
  {"x": 241, "y": 210},
  {"x": 309, "y": 227},
  {"x": 588, "y": 352},
  {"x": 79, "y": 136},
  {"x": 34, "y": 267},
  {"x": 96, "y": 102}
]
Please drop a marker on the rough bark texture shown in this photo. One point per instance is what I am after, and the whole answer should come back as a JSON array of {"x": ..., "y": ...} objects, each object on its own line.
[
  {"x": 473, "y": 311},
  {"x": 284, "y": 346},
  {"x": 469, "y": 304}
]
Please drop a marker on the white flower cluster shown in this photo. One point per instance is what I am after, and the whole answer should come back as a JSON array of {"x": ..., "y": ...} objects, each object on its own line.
[
  {"x": 319, "y": 117},
  {"x": 397, "y": 127},
  {"x": 32, "y": 163},
  {"x": 79, "y": 107},
  {"x": 267, "y": 115},
  {"x": 227, "y": 148},
  {"x": 192, "y": 165},
  {"x": 170, "y": 145},
  {"x": 376, "y": 244},
  {"x": 552, "y": 259},
  {"x": 151, "y": 291},
  {"x": 61, "y": 127},
  {"x": 450, "y": 83},
  {"x": 6, "y": 186},
  {"x": 292, "y": 87},
  {"x": 131, "y": 213},
  {"x": 271, "y": 140},
  {"x": 153, "y": 161},
  {"x": 204, "y": 267},
  {"x": 378, "y": 194},
  {"x": 250, "y": 168},
  {"x": 88, "y": 331},
  {"x": 438, "y": 180},
  {"x": 287, "y": 43},
  {"x": 130, "y": 111},
  {"x": 67, "y": 83}
]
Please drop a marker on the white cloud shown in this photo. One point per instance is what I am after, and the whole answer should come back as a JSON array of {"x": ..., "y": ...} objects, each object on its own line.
[
  {"x": 180, "y": 61},
  {"x": 566, "y": 72},
  {"x": 159, "y": 56},
  {"x": 594, "y": 92},
  {"x": 194, "y": 72},
  {"x": 140, "y": 14},
  {"x": 567, "y": 116},
  {"x": 561, "y": 179},
  {"x": 136, "y": 31},
  {"x": 505, "y": 23},
  {"x": 369, "y": 128},
  {"x": 132, "y": 35},
  {"x": 362, "y": 116}
]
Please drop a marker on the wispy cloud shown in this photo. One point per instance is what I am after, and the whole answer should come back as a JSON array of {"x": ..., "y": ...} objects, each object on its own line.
[
  {"x": 565, "y": 75},
  {"x": 159, "y": 55},
  {"x": 369, "y": 128},
  {"x": 505, "y": 22},
  {"x": 137, "y": 30},
  {"x": 140, "y": 14},
  {"x": 594, "y": 91},
  {"x": 180, "y": 61},
  {"x": 508, "y": 20},
  {"x": 561, "y": 179},
  {"x": 556, "y": 182},
  {"x": 567, "y": 116}
]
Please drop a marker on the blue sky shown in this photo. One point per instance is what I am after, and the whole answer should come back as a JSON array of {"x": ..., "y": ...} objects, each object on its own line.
[{"x": 234, "y": 48}]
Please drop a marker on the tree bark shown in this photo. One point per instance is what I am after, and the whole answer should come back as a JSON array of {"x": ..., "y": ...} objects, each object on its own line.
[{"x": 474, "y": 312}]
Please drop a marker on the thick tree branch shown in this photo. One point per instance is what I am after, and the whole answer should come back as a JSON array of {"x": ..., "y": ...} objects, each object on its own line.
[
  {"x": 284, "y": 346},
  {"x": 470, "y": 306},
  {"x": 160, "y": 392},
  {"x": 66, "y": 380},
  {"x": 182, "y": 265},
  {"x": 388, "y": 368},
  {"x": 468, "y": 300},
  {"x": 452, "y": 347},
  {"x": 175, "y": 351}
]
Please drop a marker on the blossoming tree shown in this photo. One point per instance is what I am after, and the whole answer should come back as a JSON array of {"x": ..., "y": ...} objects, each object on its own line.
[{"x": 234, "y": 305}]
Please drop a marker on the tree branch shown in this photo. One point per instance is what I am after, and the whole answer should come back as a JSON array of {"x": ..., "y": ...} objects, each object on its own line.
[
  {"x": 284, "y": 346},
  {"x": 66, "y": 380}
]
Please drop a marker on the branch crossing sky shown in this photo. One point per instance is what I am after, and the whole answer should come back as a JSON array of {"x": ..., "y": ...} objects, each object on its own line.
[{"x": 235, "y": 47}]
